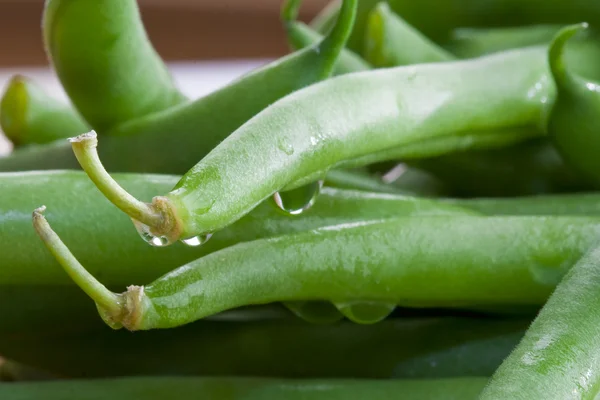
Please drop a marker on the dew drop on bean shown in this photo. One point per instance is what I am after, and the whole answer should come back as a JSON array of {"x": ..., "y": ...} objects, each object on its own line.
[
  {"x": 197, "y": 240},
  {"x": 315, "y": 312},
  {"x": 365, "y": 312},
  {"x": 297, "y": 201},
  {"x": 148, "y": 237}
]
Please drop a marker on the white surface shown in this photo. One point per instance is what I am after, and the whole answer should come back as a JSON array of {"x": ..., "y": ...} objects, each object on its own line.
[{"x": 195, "y": 79}]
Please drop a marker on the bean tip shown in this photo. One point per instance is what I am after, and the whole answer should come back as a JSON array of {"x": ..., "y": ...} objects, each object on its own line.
[{"x": 85, "y": 138}]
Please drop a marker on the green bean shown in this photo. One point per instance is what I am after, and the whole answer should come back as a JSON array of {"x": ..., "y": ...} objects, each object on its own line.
[
  {"x": 475, "y": 42},
  {"x": 558, "y": 357},
  {"x": 437, "y": 19},
  {"x": 584, "y": 204},
  {"x": 105, "y": 241},
  {"x": 526, "y": 169},
  {"x": 376, "y": 265},
  {"x": 571, "y": 125},
  {"x": 105, "y": 62},
  {"x": 355, "y": 119},
  {"x": 357, "y": 181},
  {"x": 196, "y": 128},
  {"x": 390, "y": 41},
  {"x": 229, "y": 388},
  {"x": 439, "y": 347},
  {"x": 300, "y": 35},
  {"x": 28, "y": 115}
]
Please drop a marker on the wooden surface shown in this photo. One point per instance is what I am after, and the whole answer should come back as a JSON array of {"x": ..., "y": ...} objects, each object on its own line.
[{"x": 179, "y": 29}]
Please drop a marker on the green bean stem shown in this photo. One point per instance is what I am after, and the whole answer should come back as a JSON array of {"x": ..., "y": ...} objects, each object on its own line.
[
  {"x": 375, "y": 265},
  {"x": 28, "y": 115},
  {"x": 558, "y": 357}
]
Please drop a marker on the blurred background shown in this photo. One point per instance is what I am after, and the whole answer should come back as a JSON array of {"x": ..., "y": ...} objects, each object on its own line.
[{"x": 206, "y": 43}]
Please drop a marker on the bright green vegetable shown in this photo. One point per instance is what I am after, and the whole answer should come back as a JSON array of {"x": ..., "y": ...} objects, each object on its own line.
[
  {"x": 104, "y": 240},
  {"x": 224, "y": 388},
  {"x": 28, "y": 115},
  {"x": 405, "y": 112},
  {"x": 558, "y": 357},
  {"x": 173, "y": 140},
  {"x": 391, "y": 42},
  {"x": 574, "y": 116},
  {"x": 272, "y": 346},
  {"x": 105, "y": 62},
  {"x": 376, "y": 265}
]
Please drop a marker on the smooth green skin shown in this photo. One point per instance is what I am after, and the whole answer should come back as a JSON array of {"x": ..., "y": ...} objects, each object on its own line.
[
  {"x": 301, "y": 35},
  {"x": 401, "y": 348},
  {"x": 390, "y": 41},
  {"x": 362, "y": 118},
  {"x": 573, "y": 123},
  {"x": 359, "y": 181},
  {"x": 530, "y": 168},
  {"x": 584, "y": 204},
  {"x": 444, "y": 261},
  {"x": 436, "y": 19},
  {"x": 104, "y": 240},
  {"x": 173, "y": 140},
  {"x": 28, "y": 115},
  {"x": 558, "y": 357},
  {"x": 230, "y": 388},
  {"x": 475, "y": 42},
  {"x": 105, "y": 61}
]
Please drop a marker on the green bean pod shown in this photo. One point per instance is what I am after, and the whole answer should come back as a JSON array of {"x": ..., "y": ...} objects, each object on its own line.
[
  {"x": 572, "y": 123},
  {"x": 376, "y": 265},
  {"x": 28, "y": 115},
  {"x": 391, "y": 42},
  {"x": 194, "y": 129},
  {"x": 234, "y": 388},
  {"x": 558, "y": 357},
  {"x": 436, "y": 19},
  {"x": 440, "y": 347},
  {"x": 362, "y": 118},
  {"x": 103, "y": 238},
  {"x": 105, "y": 61}
]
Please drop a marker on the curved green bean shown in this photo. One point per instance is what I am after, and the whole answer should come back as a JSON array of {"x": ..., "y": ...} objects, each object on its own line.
[
  {"x": 558, "y": 357},
  {"x": 363, "y": 117},
  {"x": 442, "y": 347},
  {"x": 390, "y": 41},
  {"x": 572, "y": 122},
  {"x": 28, "y": 115},
  {"x": 376, "y": 265},
  {"x": 194, "y": 129},
  {"x": 229, "y": 388},
  {"x": 105, "y": 61}
]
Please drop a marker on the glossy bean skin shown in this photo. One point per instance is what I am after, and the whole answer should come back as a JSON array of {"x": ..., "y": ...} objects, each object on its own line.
[
  {"x": 574, "y": 115},
  {"x": 402, "y": 261},
  {"x": 398, "y": 348},
  {"x": 390, "y": 41},
  {"x": 106, "y": 242},
  {"x": 364, "y": 117},
  {"x": 105, "y": 61},
  {"x": 230, "y": 388},
  {"x": 453, "y": 14},
  {"x": 28, "y": 115},
  {"x": 558, "y": 357},
  {"x": 194, "y": 129}
]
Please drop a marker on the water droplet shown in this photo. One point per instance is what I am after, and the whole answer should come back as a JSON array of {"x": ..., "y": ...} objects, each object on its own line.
[
  {"x": 197, "y": 240},
  {"x": 315, "y": 312},
  {"x": 287, "y": 148},
  {"x": 148, "y": 236},
  {"x": 296, "y": 201},
  {"x": 365, "y": 312}
]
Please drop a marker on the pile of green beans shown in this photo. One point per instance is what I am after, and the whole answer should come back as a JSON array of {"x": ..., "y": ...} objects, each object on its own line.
[{"x": 406, "y": 205}]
